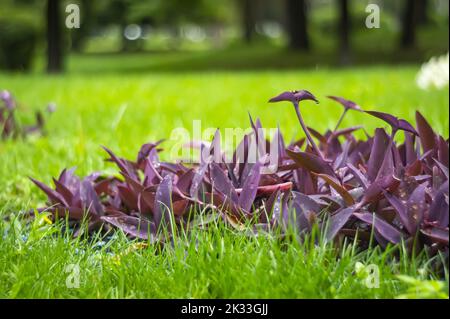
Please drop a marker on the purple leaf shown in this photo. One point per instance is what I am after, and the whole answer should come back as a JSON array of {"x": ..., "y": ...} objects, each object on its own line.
[
  {"x": 338, "y": 188},
  {"x": 322, "y": 139},
  {"x": 90, "y": 199},
  {"x": 134, "y": 184},
  {"x": 410, "y": 152},
  {"x": 375, "y": 190},
  {"x": 306, "y": 203},
  {"x": 215, "y": 149},
  {"x": 179, "y": 207},
  {"x": 406, "y": 126},
  {"x": 338, "y": 221},
  {"x": 69, "y": 180},
  {"x": 311, "y": 162},
  {"x": 442, "y": 167},
  {"x": 381, "y": 142},
  {"x": 152, "y": 176},
  {"x": 267, "y": 190},
  {"x": 148, "y": 151},
  {"x": 393, "y": 121},
  {"x": 426, "y": 133},
  {"x": 278, "y": 139},
  {"x": 64, "y": 191},
  {"x": 222, "y": 184},
  {"x": 402, "y": 211},
  {"x": 294, "y": 96},
  {"x": 387, "y": 167},
  {"x": 439, "y": 209},
  {"x": 301, "y": 214},
  {"x": 388, "y": 118},
  {"x": 347, "y": 104},
  {"x": 269, "y": 205},
  {"x": 53, "y": 196},
  {"x": 123, "y": 165},
  {"x": 163, "y": 202},
  {"x": 223, "y": 204},
  {"x": 149, "y": 199},
  {"x": 258, "y": 136},
  {"x": 250, "y": 187},
  {"x": 240, "y": 156},
  {"x": 437, "y": 234},
  {"x": 417, "y": 203},
  {"x": 135, "y": 227},
  {"x": 197, "y": 180},
  {"x": 358, "y": 175},
  {"x": 443, "y": 151},
  {"x": 342, "y": 158},
  {"x": 386, "y": 230},
  {"x": 305, "y": 208},
  {"x": 185, "y": 181},
  {"x": 128, "y": 197},
  {"x": 74, "y": 213},
  {"x": 346, "y": 131}
]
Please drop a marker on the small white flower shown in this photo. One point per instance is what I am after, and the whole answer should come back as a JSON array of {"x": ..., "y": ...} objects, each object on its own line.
[{"x": 434, "y": 73}]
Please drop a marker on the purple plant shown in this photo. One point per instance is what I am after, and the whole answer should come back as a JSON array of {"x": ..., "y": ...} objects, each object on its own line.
[
  {"x": 295, "y": 97},
  {"x": 8, "y": 100},
  {"x": 9, "y": 126},
  {"x": 347, "y": 104},
  {"x": 351, "y": 188}
]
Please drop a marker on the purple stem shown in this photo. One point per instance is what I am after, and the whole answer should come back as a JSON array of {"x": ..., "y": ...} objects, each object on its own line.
[
  {"x": 340, "y": 120},
  {"x": 305, "y": 129},
  {"x": 337, "y": 125},
  {"x": 394, "y": 152}
]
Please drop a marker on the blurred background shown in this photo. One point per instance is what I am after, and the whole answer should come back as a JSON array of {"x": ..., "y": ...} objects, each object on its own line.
[
  {"x": 137, "y": 69},
  {"x": 186, "y": 35}
]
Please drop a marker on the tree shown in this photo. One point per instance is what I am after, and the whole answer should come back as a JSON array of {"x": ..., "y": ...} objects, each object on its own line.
[
  {"x": 54, "y": 37},
  {"x": 175, "y": 14},
  {"x": 79, "y": 36},
  {"x": 422, "y": 12},
  {"x": 344, "y": 31},
  {"x": 297, "y": 24},
  {"x": 248, "y": 19},
  {"x": 409, "y": 23}
]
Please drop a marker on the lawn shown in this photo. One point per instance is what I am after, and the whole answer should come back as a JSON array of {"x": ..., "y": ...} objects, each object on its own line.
[{"x": 123, "y": 107}]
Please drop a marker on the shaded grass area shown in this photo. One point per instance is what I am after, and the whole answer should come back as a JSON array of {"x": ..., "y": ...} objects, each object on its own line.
[
  {"x": 255, "y": 58},
  {"x": 125, "y": 110}
]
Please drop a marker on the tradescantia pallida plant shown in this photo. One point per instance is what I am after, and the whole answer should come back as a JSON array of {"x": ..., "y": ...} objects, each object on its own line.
[
  {"x": 10, "y": 126},
  {"x": 347, "y": 186}
]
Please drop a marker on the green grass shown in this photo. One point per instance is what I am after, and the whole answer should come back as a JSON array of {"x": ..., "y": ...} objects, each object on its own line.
[
  {"x": 213, "y": 263},
  {"x": 99, "y": 103}
]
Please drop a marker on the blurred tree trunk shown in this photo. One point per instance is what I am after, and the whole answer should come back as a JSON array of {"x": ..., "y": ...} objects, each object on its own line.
[
  {"x": 248, "y": 19},
  {"x": 54, "y": 37},
  {"x": 125, "y": 45},
  {"x": 344, "y": 31},
  {"x": 422, "y": 12},
  {"x": 80, "y": 35},
  {"x": 409, "y": 23},
  {"x": 297, "y": 24}
]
